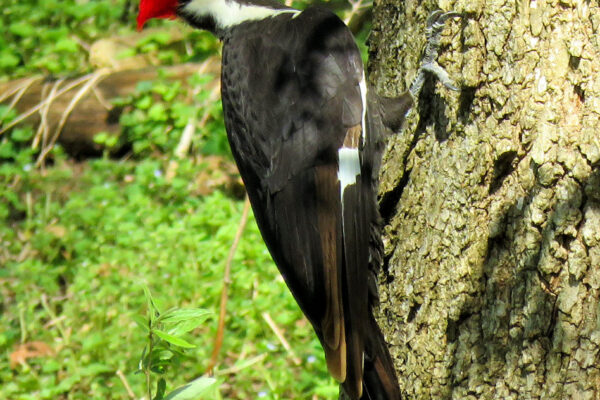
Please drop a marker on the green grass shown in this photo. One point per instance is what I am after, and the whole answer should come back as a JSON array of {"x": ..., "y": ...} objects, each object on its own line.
[
  {"x": 80, "y": 240},
  {"x": 75, "y": 264}
]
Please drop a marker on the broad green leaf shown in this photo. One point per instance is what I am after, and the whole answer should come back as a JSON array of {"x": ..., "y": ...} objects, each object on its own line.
[
  {"x": 67, "y": 45},
  {"x": 8, "y": 59},
  {"x": 21, "y": 134},
  {"x": 183, "y": 327},
  {"x": 158, "y": 112},
  {"x": 66, "y": 384},
  {"x": 161, "y": 354},
  {"x": 152, "y": 308},
  {"x": 161, "y": 386},
  {"x": 144, "y": 103},
  {"x": 22, "y": 29},
  {"x": 51, "y": 366},
  {"x": 180, "y": 321},
  {"x": 192, "y": 390},
  {"x": 7, "y": 150},
  {"x": 142, "y": 322},
  {"x": 6, "y": 113},
  {"x": 111, "y": 141},
  {"x": 174, "y": 340},
  {"x": 95, "y": 369},
  {"x": 184, "y": 314},
  {"x": 101, "y": 137}
]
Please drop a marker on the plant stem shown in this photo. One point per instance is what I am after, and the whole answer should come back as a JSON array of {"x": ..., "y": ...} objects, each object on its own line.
[{"x": 148, "y": 366}]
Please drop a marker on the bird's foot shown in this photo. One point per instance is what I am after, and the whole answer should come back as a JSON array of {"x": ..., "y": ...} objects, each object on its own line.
[{"x": 435, "y": 26}]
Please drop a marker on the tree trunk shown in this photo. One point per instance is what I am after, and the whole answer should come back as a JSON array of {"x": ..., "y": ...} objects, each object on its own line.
[{"x": 491, "y": 201}]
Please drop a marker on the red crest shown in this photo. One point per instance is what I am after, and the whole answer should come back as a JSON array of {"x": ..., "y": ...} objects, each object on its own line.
[{"x": 155, "y": 9}]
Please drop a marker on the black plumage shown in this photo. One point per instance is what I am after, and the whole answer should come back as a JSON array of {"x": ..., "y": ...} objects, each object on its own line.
[
  {"x": 308, "y": 148},
  {"x": 292, "y": 99}
]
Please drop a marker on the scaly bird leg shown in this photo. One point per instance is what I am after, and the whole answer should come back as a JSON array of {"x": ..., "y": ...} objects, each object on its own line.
[{"x": 435, "y": 26}]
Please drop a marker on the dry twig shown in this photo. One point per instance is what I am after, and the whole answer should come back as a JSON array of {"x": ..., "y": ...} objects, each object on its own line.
[
  {"x": 103, "y": 102},
  {"x": 43, "y": 129},
  {"x": 226, "y": 284},
  {"x": 281, "y": 338},
  {"x": 357, "y": 7},
  {"x": 20, "y": 89},
  {"x": 246, "y": 364},
  {"x": 41, "y": 104},
  {"x": 94, "y": 79},
  {"x": 64, "y": 333},
  {"x": 126, "y": 384},
  {"x": 188, "y": 132}
]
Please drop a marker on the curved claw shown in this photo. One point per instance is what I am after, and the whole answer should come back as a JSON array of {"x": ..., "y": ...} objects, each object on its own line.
[
  {"x": 435, "y": 25},
  {"x": 439, "y": 17}
]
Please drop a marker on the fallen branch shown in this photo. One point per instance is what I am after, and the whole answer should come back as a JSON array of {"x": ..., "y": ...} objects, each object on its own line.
[
  {"x": 89, "y": 85},
  {"x": 41, "y": 104},
  {"x": 77, "y": 109}
]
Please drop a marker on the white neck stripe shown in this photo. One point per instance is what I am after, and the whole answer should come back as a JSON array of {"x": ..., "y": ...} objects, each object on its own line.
[{"x": 230, "y": 13}]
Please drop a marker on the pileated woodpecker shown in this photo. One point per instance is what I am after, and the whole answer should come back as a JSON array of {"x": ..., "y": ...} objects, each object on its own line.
[{"x": 307, "y": 139}]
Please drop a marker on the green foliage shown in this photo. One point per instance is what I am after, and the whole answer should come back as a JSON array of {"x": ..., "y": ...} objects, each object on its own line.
[
  {"x": 55, "y": 48},
  {"x": 157, "y": 113},
  {"x": 165, "y": 332},
  {"x": 89, "y": 235},
  {"x": 196, "y": 389},
  {"x": 52, "y": 36},
  {"x": 16, "y": 160},
  {"x": 78, "y": 239}
]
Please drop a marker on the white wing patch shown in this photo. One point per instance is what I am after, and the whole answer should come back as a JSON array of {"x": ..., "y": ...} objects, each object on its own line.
[
  {"x": 348, "y": 154},
  {"x": 363, "y": 95},
  {"x": 228, "y": 13},
  {"x": 349, "y": 167}
]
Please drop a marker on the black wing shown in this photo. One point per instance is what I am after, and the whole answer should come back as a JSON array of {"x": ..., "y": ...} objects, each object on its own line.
[{"x": 286, "y": 121}]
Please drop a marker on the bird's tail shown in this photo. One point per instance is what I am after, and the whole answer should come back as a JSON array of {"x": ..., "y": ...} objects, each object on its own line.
[{"x": 379, "y": 377}]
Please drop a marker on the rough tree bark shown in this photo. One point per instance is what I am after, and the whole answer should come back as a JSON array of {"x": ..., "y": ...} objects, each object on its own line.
[{"x": 491, "y": 199}]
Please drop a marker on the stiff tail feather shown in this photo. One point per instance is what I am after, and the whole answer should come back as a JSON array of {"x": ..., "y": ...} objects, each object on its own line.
[{"x": 379, "y": 377}]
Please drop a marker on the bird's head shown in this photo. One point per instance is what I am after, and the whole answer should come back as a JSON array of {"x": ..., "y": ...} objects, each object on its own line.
[
  {"x": 156, "y": 9},
  {"x": 215, "y": 16}
]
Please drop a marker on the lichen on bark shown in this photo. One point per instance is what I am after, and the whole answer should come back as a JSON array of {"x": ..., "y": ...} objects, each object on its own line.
[{"x": 491, "y": 200}]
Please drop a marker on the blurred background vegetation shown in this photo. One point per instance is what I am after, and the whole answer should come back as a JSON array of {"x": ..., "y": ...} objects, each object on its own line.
[{"x": 150, "y": 197}]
